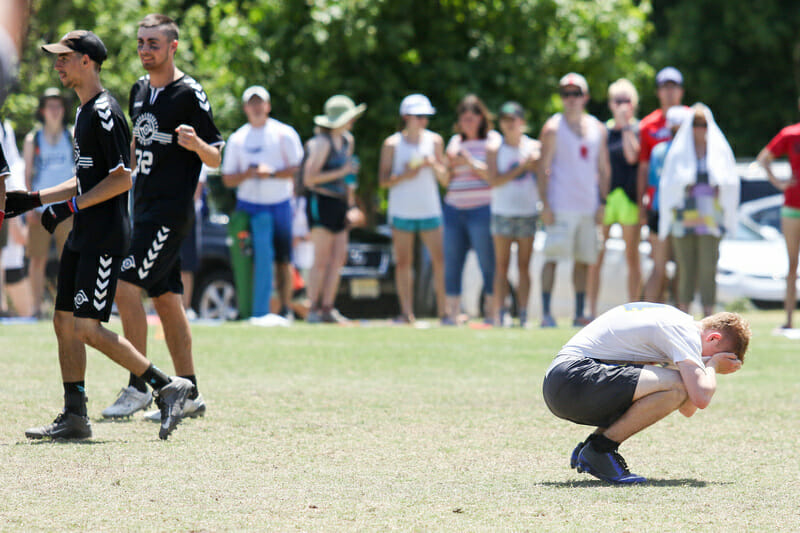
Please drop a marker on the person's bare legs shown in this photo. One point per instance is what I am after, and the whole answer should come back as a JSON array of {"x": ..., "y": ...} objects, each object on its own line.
[
  {"x": 632, "y": 235},
  {"x": 791, "y": 232},
  {"x": 283, "y": 279},
  {"x": 403, "y": 246},
  {"x": 36, "y": 273},
  {"x": 187, "y": 280},
  {"x": 548, "y": 280},
  {"x": 524, "y": 254},
  {"x": 659, "y": 392},
  {"x": 322, "y": 240},
  {"x": 177, "y": 333},
  {"x": 502, "y": 257},
  {"x": 654, "y": 288},
  {"x": 131, "y": 311},
  {"x": 338, "y": 258},
  {"x": 580, "y": 275},
  {"x": 432, "y": 240},
  {"x": 71, "y": 351},
  {"x": 21, "y": 297},
  {"x": 593, "y": 280}
]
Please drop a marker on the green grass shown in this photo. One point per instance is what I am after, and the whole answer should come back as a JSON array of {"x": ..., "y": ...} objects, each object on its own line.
[{"x": 389, "y": 428}]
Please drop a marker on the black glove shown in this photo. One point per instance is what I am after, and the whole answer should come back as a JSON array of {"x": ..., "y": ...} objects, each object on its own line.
[
  {"x": 18, "y": 202},
  {"x": 55, "y": 214}
]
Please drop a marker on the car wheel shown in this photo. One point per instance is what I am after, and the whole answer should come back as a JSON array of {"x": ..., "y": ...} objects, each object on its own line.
[{"x": 216, "y": 297}]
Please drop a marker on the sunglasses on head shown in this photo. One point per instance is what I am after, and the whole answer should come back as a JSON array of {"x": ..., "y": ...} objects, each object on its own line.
[
  {"x": 620, "y": 101},
  {"x": 471, "y": 108},
  {"x": 571, "y": 94}
]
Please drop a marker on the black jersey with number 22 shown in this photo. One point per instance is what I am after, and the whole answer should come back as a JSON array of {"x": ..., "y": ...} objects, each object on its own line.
[
  {"x": 167, "y": 173},
  {"x": 102, "y": 144}
]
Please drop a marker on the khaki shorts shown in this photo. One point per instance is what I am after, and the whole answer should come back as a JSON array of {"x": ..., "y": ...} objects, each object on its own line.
[
  {"x": 572, "y": 236},
  {"x": 39, "y": 240}
]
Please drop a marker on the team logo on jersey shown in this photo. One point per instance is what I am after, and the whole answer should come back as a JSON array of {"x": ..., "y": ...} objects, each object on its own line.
[
  {"x": 128, "y": 263},
  {"x": 80, "y": 299},
  {"x": 146, "y": 130}
]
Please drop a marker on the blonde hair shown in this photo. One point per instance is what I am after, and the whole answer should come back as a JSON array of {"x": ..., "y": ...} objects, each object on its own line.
[
  {"x": 733, "y": 327},
  {"x": 624, "y": 85}
]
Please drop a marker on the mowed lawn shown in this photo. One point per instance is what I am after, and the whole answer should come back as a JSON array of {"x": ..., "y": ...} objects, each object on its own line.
[{"x": 375, "y": 428}]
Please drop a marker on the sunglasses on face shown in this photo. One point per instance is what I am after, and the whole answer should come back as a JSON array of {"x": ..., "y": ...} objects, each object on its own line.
[
  {"x": 620, "y": 101},
  {"x": 571, "y": 94},
  {"x": 470, "y": 108},
  {"x": 699, "y": 124}
]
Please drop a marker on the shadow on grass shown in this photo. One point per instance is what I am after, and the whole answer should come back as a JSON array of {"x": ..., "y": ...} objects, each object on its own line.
[
  {"x": 72, "y": 442},
  {"x": 593, "y": 483}
]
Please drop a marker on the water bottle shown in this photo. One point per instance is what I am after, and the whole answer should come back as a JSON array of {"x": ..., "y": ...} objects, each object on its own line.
[{"x": 351, "y": 179}]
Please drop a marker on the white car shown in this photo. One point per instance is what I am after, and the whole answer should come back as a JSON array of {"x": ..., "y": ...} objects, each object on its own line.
[{"x": 753, "y": 262}]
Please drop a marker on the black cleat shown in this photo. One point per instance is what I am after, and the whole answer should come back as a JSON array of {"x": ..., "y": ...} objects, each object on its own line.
[
  {"x": 65, "y": 426},
  {"x": 170, "y": 400},
  {"x": 610, "y": 467}
]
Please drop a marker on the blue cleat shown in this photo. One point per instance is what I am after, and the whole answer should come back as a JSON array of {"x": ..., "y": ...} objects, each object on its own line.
[
  {"x": 609, "y": 467},
  {"x": 573, "y": 459}
]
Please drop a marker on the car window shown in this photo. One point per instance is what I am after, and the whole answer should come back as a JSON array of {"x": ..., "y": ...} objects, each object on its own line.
[{"x": 745, "y": 233}]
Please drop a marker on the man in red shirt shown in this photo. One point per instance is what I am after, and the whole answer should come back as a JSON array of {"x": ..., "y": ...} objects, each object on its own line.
[
  {"x": 653, "y": 130},
  {"x": 787, "y": 142}
]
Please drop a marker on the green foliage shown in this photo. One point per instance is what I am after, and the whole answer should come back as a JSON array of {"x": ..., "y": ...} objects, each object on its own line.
[{"x": 375, "y": 51}]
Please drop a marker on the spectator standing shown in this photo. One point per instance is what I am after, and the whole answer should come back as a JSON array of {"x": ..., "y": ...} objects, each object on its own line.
[
  {"x": 513, "y": 165},
  {"x": 622, "y": 202},
  {"x": 653, "y": 130},
  {"x": 698, "y": 202},
  {"x": 572, "y": 184},
  {"x": 48, "y": 154},
  {"x": 15, "y": 277},
  {"x": 261, "y": 160},
  {"x": 467, "y": 212},
  {"x": 787, "y": 142},
  {"x": 412, "y": 166},
  {"x": 11, "y": 166},
  {"x": 330, "y": 202}
]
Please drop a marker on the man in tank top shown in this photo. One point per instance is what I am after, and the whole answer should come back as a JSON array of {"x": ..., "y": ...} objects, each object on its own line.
[{"x": 572, "y": 186}]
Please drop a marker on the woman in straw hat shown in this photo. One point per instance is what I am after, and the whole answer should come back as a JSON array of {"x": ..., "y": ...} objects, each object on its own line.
[{"x": 329, "y": 176}]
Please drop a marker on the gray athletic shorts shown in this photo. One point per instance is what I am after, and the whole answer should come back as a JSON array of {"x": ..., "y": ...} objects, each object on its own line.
[{"x": 589, "y": 392}]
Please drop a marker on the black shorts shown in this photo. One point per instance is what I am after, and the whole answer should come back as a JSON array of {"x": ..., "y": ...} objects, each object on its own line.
[
  {"x": 87, "y": 282},
  {"x": 327, "y": 212},
  {"x": 589, "y": 392},
  {"x": 153, "y": 261}
]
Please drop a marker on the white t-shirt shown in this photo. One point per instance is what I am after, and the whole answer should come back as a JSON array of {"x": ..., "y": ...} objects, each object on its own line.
[
  {"x": 275, "y": 144},
  {"x": 418, "y": 197},
  {"x": 639, "y": 332},
  {"x": 518, "y": 197}
]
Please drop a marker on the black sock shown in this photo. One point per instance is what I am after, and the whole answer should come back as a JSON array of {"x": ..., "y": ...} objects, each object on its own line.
[
  {"x": 591, "y": 437},
  {"x": 155, "y": 377},
  {"x": 137, "y": 383},
  {"x": 603, "y": 444},
  {"x": 75, "y": 398},
  {"x": 193, "y": 379},
  {"x": 580, "y": 297}
]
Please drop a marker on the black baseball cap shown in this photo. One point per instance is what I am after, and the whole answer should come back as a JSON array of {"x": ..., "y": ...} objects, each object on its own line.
[{"x": 81, "y": 41}]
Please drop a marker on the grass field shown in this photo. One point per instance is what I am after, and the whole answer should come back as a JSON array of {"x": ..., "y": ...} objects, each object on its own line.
[{"x": 389, "y": 428}]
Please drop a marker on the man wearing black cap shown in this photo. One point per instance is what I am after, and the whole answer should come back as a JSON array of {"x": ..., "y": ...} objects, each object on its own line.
[
  {"x": 653, "y": 130},
  {"x": 97, "y": 197},
  {"x": 174, "y": 134}
]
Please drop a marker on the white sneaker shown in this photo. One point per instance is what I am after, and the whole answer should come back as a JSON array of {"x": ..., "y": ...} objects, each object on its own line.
[
  {"x": 128, "y": 402},
  {"x": 191, "y": 409}
]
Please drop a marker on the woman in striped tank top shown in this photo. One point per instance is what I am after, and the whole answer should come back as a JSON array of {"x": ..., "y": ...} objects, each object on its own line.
[{"x": 466, "y": 204}]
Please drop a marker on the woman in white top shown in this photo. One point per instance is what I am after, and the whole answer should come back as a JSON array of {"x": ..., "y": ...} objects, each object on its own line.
[
  {"x": 515, "y": 198},
  {"x": 412, "y": 167}
]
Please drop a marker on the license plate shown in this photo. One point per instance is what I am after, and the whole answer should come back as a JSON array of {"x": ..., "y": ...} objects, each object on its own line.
[{"x": 362, "y": 288}]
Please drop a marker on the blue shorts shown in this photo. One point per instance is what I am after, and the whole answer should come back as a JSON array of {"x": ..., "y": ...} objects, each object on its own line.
[
  {"x": 414, "y": 225},
  {"x": 282, "y": 215}
]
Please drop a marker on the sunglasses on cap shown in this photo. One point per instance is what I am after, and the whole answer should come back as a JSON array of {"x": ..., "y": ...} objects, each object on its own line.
[
  {"x": 571, "y": 94},
  {"x": 474, "y": 108}
]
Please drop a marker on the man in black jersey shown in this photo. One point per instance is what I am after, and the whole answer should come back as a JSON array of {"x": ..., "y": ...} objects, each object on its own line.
[
  {"x": 4, "y": 172},
  {"x": 97, "y": 197},
  {"x": 174, "y": 134}
]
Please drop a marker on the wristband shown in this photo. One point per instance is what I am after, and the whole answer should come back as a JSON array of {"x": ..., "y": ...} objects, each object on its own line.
[
  {"x": 73, "y": 204},
  {"x": 2, "y": 216}
]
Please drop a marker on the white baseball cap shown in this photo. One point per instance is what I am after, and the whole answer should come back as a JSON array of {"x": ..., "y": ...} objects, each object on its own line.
[
  {"x": 575, "y": 79},
  {"x": 416, "y": 104},
  {"x": 669, "y": 74},
  {"x": 255, "y": 90}
]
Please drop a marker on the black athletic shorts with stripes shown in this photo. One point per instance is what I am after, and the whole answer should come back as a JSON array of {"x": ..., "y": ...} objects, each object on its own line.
[
  {"x": 87, "y": 282},
  {"x": 589, "y": 392},
  {"x": 154, "y": 259}
]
